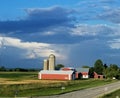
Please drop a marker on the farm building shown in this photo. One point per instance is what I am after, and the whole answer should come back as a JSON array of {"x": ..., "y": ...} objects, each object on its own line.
[
  {"x": 50, "y": 73},
  {"x": 82, "y": 73},
  {"x": 97, "y": 76},
  {"x": 56, "y": 75}
]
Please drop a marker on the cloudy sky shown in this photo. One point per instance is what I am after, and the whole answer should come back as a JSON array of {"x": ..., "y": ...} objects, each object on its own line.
[{"x": 78, "y": 32}]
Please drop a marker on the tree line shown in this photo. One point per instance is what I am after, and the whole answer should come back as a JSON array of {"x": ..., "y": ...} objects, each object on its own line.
[
  {"x": 2, "y": 68},
  {"x": 109, "y": 71}
]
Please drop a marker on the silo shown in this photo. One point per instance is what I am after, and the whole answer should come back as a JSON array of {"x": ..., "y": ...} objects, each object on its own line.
[
  {"x": 51, "y": 62},
  {"x": 46, "y": 66}
]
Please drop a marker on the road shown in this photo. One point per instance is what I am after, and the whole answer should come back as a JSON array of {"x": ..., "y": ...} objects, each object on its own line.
[{"x": 94, "y": 92}]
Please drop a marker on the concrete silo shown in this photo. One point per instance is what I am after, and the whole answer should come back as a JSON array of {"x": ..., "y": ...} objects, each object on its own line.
[
  {"x": 46, "y": 65},
  {"x": 51, "y": 62}
]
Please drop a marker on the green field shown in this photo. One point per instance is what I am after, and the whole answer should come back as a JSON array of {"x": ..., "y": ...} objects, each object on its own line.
[
  {"x": 26, "y": 84},
  {"x": 115, "y": 94},
  {"x": 18, "y": 75}
]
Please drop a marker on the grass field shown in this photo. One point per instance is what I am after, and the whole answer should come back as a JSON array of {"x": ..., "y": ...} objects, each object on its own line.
[
  {"x": 24, "y": 84},
  {"x": 115, "y": 94}
]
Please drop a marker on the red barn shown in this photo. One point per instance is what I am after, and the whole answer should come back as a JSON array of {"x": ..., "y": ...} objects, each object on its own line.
[
  {"x": 97, "y": 76},
  {"x": 56, "y": 75}
]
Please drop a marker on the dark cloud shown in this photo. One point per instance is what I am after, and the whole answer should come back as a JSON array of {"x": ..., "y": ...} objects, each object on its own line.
[
  {"x": 38, "y": 20},
  {"x": 52, "y": 39},
  {"x": 56, "y": 13}
]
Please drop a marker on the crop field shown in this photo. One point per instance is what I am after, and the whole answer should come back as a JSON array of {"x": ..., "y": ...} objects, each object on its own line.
[{"x": 26, "y": 84}]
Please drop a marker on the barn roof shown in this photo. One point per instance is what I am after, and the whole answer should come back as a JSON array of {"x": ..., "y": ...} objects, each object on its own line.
[
  {"x": 68, "y": 68},
  {"x": 82, "y": 69},
  {"x": 56, "y": 72}
]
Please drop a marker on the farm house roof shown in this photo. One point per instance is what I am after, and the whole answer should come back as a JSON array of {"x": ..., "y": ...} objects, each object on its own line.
[
  {"x": 82, "y": 69},
  {"x": 56, "y": 72}
]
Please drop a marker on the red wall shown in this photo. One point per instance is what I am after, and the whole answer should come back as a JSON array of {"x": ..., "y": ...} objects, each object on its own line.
[
  {"x": 98, "y": 76},
  {"x": 84, "y": 73},
  {"x": 55, "y": 76},
  {"x": 76, "y": 75}
]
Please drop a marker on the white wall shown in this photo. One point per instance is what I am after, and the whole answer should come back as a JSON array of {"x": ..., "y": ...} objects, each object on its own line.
[{"x": 85, "y": 76}]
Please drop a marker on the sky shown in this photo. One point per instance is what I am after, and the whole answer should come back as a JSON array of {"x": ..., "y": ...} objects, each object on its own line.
[{"x": 77, "y": 32}]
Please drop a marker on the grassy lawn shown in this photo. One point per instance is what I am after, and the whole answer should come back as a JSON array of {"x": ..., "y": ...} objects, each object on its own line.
[
  {"x": 115, "y": 94},
  {"x": 26, "y": 84}
]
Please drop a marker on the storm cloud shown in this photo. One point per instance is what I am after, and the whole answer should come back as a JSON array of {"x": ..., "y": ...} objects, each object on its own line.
[{"x": 38, "y": 20}]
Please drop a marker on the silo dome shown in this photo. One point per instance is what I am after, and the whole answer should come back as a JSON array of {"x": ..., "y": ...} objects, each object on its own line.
[{"x": 51, "y": 55}]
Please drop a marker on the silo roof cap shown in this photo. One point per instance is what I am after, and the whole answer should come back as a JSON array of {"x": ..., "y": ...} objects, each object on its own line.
[{"x": 52, "y": 55}]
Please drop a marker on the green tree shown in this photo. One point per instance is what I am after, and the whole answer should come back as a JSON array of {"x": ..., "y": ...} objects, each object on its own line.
[
  {"x": 105, "y": 70},
  {"x": 118, "y": 75},
  {"x": 98, "y": 66},
  {"x": 105, "y": 66},
  {"x": 91, "y": 72},
  {"x": 59, "y": 66},
  {"x": 2, "y": 68},
  {"x": 113, "y": 71}
]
